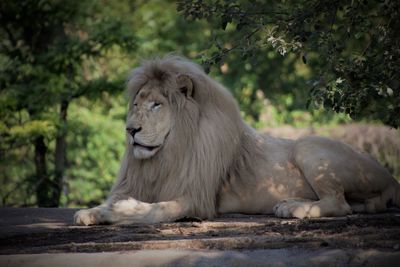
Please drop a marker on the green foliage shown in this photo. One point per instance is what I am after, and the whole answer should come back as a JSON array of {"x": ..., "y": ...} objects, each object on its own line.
[
  {"x": 351, "y": 47},
  {"x": 281, "y": 114},
  {"x": 46, "y": 50},
  {"x": 96, "y": 145}
]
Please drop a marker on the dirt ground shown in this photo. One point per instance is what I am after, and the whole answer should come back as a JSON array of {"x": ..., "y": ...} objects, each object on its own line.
[{"x": 37, "y": 231}]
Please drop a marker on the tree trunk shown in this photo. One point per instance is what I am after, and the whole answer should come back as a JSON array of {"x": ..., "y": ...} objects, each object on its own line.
[
  {"x": 60, "y": 152},
  {"x": 48, "y": 191},
  {"x": 44, "y": 189}
]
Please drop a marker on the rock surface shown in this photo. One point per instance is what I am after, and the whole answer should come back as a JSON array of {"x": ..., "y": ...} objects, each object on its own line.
[{"x": 47, "y": 237}]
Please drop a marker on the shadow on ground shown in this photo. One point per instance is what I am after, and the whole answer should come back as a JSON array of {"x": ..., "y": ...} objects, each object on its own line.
[{"x": 48, "y": 236}]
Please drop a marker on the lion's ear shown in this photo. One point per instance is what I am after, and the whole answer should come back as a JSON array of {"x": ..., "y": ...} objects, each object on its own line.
[{"x": 185, "y": 85}]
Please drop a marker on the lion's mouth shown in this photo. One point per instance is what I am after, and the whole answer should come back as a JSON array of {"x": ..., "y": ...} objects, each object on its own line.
[{"x": 149, "y": 148}]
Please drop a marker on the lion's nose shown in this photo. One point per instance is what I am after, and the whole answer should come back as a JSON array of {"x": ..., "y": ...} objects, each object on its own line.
[{"x": 132, "y": 131}]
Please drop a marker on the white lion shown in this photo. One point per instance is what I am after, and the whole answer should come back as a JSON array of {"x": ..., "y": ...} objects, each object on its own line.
[{"x": 189, "y": 153}]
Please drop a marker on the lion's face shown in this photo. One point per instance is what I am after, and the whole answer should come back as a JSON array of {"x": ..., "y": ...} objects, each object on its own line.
[{"x": 149, "y": 122}]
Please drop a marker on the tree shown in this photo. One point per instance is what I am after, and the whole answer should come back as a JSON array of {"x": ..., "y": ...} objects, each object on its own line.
[
  {"x": 352, "y": 47},
  {"x": 46, "y": 48}
]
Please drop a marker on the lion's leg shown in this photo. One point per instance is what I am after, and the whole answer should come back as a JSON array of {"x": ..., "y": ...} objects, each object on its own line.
[
  {"x": 134, "y": 211},
  {"x": 358, "y": 207},
  {"x": 130, "y": 210},
  {"x": 322, "y": 176},
  {"x": 331, "y": 199},
  {"x": 375, "y": 204},
  {"x": 90, "y": 216},
  {"x": 311, "y": 209},
  {"x": 371, "y": 205}
]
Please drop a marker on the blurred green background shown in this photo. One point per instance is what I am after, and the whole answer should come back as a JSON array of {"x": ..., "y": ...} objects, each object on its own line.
[{"x": 63, "y": 68}]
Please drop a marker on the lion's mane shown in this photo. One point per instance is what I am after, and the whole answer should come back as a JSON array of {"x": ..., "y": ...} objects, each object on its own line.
[{"x": 209, "y": 144}]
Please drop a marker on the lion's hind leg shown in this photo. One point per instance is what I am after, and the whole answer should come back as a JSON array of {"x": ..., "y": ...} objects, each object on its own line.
[
  {"x": 322, "y": 169},
  {"x": 373, "y": 204},
  {"x": 296, "y": 207},
  {"x": 304, "y": 208}
]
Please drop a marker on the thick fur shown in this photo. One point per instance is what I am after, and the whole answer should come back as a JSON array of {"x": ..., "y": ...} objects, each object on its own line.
[{"x": 213, "y": 162}]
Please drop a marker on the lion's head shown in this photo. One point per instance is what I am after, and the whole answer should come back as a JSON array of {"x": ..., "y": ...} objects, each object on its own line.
[
  {"x": 153, "y": 111},
  {"x": 149, "y": 122}
]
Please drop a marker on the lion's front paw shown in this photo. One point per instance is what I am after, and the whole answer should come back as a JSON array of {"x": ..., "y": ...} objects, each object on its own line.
[
  {"x": 296, "y": 209},
  {"x": 87, "y": 217}
]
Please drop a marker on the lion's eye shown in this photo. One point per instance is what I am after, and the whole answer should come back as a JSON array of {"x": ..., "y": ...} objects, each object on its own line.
[{"x": 156, "y": 105}]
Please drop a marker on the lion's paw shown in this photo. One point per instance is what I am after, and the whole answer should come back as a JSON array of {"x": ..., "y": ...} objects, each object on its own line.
[
  {"x": 296, "y": 209},
  {"x": 87, "y": 217}
]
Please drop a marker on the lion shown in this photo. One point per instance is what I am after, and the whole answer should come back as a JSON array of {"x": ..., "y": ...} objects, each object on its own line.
[{"x": 190, "y": 154}]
